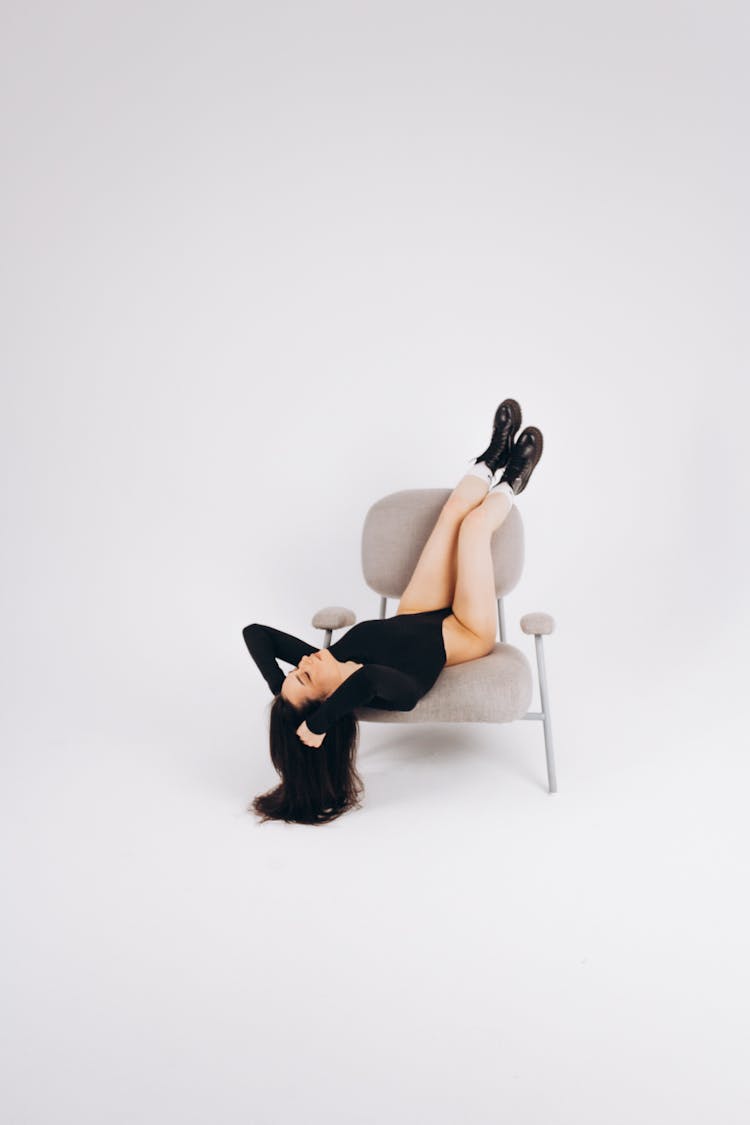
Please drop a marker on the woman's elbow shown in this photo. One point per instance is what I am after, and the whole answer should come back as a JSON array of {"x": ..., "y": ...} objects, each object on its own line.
[{"x": 251, "y": 633}]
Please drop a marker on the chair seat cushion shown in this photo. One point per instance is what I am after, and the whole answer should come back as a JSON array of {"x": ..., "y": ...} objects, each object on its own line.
[{"x": 493, "y": 689}]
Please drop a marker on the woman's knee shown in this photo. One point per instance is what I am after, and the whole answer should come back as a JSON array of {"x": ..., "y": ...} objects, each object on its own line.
[{"x": 478, "y": 519}]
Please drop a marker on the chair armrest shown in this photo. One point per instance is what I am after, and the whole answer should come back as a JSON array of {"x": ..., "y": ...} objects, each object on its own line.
[
  {"x": 538, "y": 623},
  {"x": 333, "y": 617}
]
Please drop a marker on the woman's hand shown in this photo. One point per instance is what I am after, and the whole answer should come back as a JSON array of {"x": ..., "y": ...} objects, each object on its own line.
[{"x": 309, "y": 737}]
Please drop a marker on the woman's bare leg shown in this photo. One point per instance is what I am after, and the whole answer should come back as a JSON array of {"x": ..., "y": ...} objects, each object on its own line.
[
  {"x": 432, "y": 584},
  {"x": 474, "y": 601}
]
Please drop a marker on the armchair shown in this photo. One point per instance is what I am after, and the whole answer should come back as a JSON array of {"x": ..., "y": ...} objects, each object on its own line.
[{"x": 496, "y": 688}]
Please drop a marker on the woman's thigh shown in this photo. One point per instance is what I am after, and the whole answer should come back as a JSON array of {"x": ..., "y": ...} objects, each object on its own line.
[
  {"x": 461, "y": 644},
  {"x": 474, "y": 601}
]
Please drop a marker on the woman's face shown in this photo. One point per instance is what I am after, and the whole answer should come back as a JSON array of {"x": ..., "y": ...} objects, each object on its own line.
[{"x": 315, "y": 677}]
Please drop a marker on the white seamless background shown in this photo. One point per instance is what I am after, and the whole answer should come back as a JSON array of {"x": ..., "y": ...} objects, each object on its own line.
[{"x": 262, "y": 265}]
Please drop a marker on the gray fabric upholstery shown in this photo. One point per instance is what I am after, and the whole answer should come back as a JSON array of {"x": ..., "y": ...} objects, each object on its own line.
[
  {"x": 334, "y": 617},
  {"x": 493, "y": 689},
  {"x": 537, "y": 623},
  {"x": 397, "y": 527}
]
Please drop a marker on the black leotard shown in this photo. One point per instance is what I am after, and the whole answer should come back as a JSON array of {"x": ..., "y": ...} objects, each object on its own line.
[{"x": 401, "y": 657}]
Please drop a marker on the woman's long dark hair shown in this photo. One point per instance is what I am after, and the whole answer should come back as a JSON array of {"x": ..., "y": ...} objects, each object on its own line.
[{"x": 317, "y": 784}]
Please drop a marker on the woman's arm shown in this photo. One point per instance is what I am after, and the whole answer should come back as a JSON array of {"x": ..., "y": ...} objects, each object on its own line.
[
  {"x": 397, "y": 690},
  {"x": 265, "y": 645}
]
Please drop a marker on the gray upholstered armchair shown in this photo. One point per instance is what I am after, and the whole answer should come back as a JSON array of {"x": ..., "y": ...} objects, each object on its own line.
[{"x": 496, "y": 688}]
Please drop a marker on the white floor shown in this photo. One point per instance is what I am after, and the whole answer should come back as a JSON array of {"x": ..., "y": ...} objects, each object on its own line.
[{"x": 464, "y": 948}]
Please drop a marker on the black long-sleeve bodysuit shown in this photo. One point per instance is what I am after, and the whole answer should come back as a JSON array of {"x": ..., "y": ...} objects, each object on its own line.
[{"x": 401, "y": 657}]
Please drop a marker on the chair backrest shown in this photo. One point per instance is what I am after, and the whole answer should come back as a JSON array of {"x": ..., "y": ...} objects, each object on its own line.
[{"x": 397, "y": 527}]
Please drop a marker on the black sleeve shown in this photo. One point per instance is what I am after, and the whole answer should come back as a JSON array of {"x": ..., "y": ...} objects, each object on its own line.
[
  {"x": 266, "y": 644},
  {"x": 394, "y": 690}
]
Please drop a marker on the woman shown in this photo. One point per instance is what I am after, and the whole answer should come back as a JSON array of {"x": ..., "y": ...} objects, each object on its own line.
[{"x": 446, "y": 615}]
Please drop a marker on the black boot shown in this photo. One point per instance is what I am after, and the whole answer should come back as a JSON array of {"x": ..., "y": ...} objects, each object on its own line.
[
  {"x": 524, "y": 456},
  {"x": 506, "y": 423}
]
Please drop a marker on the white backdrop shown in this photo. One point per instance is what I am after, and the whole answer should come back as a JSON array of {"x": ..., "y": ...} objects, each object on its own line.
[{"x": 263, "y": 265}]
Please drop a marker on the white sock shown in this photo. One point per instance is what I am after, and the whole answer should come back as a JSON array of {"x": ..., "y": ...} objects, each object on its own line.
[
  {"x": 479, "y": 470},
  {"x": 503, "y": 486}
]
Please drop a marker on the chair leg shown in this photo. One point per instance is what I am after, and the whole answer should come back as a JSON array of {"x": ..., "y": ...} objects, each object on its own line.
[
  {"x": 546, "y": 719},
  {"x": 501, "y": 619}
]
